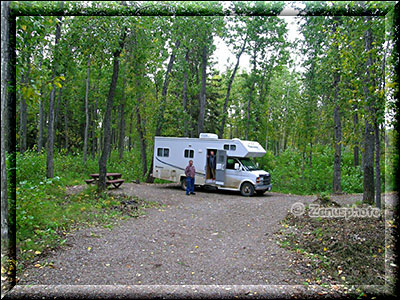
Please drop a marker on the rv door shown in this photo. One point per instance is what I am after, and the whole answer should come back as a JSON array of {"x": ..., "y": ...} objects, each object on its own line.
[{"x": 220, "y": 167}]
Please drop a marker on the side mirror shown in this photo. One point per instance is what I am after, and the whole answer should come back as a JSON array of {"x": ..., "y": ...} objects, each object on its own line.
[{"x": 237, "y": 166}]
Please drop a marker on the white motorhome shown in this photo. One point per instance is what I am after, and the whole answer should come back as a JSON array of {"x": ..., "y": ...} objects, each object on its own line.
[{"x": 235, "y": 169}]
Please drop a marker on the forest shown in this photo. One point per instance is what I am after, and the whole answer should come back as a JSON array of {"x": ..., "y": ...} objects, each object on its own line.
[
  {"x": 99, "y": 88},
  {"x": 95, "y": 82}
]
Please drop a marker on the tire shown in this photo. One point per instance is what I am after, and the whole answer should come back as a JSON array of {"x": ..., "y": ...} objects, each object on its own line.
[
  {"x": 247, "y": 189},
  {"x": 183, "y": 183},
  {"x": 261, "y": 192}
]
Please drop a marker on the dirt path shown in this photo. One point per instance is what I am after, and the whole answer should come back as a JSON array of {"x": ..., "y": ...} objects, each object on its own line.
[{"x": 209, "y": 238}]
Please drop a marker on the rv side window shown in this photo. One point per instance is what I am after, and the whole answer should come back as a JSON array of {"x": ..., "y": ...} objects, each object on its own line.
[
  {"x": 189, "y": 153},
  {"x": 163, "y": 152},
  {"x": 166, "y": 152},
  {"x": 226, "y": 147},
  {"x": 233, "y": 147}
]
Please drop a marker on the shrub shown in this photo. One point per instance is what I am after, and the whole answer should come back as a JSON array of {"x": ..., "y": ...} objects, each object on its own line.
[{"x": 287, "y": 176}]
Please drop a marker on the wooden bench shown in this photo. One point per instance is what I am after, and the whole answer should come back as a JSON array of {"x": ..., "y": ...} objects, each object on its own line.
[
  {"x": 112, "y": 178},
  {"x": 116, "y": 182}
]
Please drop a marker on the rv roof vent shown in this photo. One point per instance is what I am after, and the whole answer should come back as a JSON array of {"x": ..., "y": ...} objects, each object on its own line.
[{"x": 208, "y": 136}]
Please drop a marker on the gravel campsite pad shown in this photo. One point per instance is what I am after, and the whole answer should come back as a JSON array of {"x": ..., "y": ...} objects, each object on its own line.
[{"x": 213, "y": 237}]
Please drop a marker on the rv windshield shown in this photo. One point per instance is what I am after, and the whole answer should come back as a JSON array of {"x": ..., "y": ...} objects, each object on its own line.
[{"x": 249, "y": 164}]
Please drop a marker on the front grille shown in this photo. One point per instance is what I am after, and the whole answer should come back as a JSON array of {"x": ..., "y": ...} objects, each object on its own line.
[{"x": 266, "y": 179}]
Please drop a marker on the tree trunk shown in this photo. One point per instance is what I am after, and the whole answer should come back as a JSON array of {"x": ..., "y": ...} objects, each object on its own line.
[
  {"x": 94, "y": 125},
  {"x": 141, "y": 138},
  {"x": 23, "y": 123},
  {"x": 248, "y": 110},
  {"x": 8, "y": 208},
  {"x": 121, "y": 140},
  {"x": 185, "y": 96},
  {"x": 23, "y": 111},
  {"x": 228, "y": 92},
  {"x": 85, "y": 139},
  {"x": 356, "y": 150},
  {"x": 202, "y": 97},
  {"x": 192, "y": 130},
  {"x": 382, "y": 87},
  {"x": 311, "y": 144},
  {"x": 50, "y": 138},
  {"x": 57, "y": 108},
  {"x": 107, "y": 118},
  {"x": 41, "y": 124},
  {"x": 337, "y": 132},
  {"x": 377, "y": 166},
  {"x": 160, "y": 119},
  {"x": 369, "y": 186},
  {"x": 130, "y": 133},
  {"x": 66, "y": 145},
  {"x": 338, "y": 152},
  {"x": 251, "y": 95}
]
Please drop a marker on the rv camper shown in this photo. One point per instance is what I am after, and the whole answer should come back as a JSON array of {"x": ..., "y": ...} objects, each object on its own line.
[{"x": 235, "y": 169}]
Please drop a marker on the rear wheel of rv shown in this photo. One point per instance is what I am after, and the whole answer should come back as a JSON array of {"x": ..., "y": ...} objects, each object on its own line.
[
  {"x": 183, "y": 183},
  {"x": 247, "y": 189}
]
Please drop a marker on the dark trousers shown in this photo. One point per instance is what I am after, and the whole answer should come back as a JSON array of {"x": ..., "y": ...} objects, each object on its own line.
[
  {"x": 212, "y": 173},
  {"x": 189, "y": 185}
]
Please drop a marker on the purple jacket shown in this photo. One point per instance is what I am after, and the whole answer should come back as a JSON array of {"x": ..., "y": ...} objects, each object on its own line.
[{"x": 190, "y": 171}]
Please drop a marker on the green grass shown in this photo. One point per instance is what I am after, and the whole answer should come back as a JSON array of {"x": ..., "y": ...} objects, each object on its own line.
[{"x": 46, "y": 214}]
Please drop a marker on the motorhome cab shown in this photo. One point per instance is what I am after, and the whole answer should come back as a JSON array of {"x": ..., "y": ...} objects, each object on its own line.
[{"x": 235, "y": 169}]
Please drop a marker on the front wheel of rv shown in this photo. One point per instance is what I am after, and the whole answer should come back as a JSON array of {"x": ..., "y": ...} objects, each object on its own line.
[
  {"x": 247, "y": 189},
  {"x": 183, "y": 183}
]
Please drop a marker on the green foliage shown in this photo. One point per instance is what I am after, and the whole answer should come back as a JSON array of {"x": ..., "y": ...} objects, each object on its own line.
[
  {"x": 287, "y": 110},
  {"x": 287, "y": 176},
  {"x": 31, "y": 167}
]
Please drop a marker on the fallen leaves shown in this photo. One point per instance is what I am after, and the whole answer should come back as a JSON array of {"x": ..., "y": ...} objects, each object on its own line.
[{"x": 355, "y": 248}]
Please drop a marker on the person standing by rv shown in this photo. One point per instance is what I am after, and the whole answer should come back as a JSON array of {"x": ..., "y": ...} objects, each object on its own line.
[
  {"x": 190, "y": 173},
  {"x": 212, "y": 162}
]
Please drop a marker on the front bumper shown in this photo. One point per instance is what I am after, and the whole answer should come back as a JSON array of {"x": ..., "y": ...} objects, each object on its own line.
[{"x": 266, "y": 187}]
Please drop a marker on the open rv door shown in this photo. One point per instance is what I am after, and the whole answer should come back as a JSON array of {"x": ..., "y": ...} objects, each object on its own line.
[{"x": 220, "y": 167}]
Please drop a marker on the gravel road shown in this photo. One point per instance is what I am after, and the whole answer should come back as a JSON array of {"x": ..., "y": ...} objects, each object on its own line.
[{"x": 211, "y": 238}]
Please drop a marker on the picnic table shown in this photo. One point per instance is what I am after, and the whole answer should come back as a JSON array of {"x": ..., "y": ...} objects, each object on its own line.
[{"x": 112, "y": 178}]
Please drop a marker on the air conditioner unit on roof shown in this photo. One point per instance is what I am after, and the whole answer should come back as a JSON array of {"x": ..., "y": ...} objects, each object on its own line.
[{"x": 208, "y": 136}]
